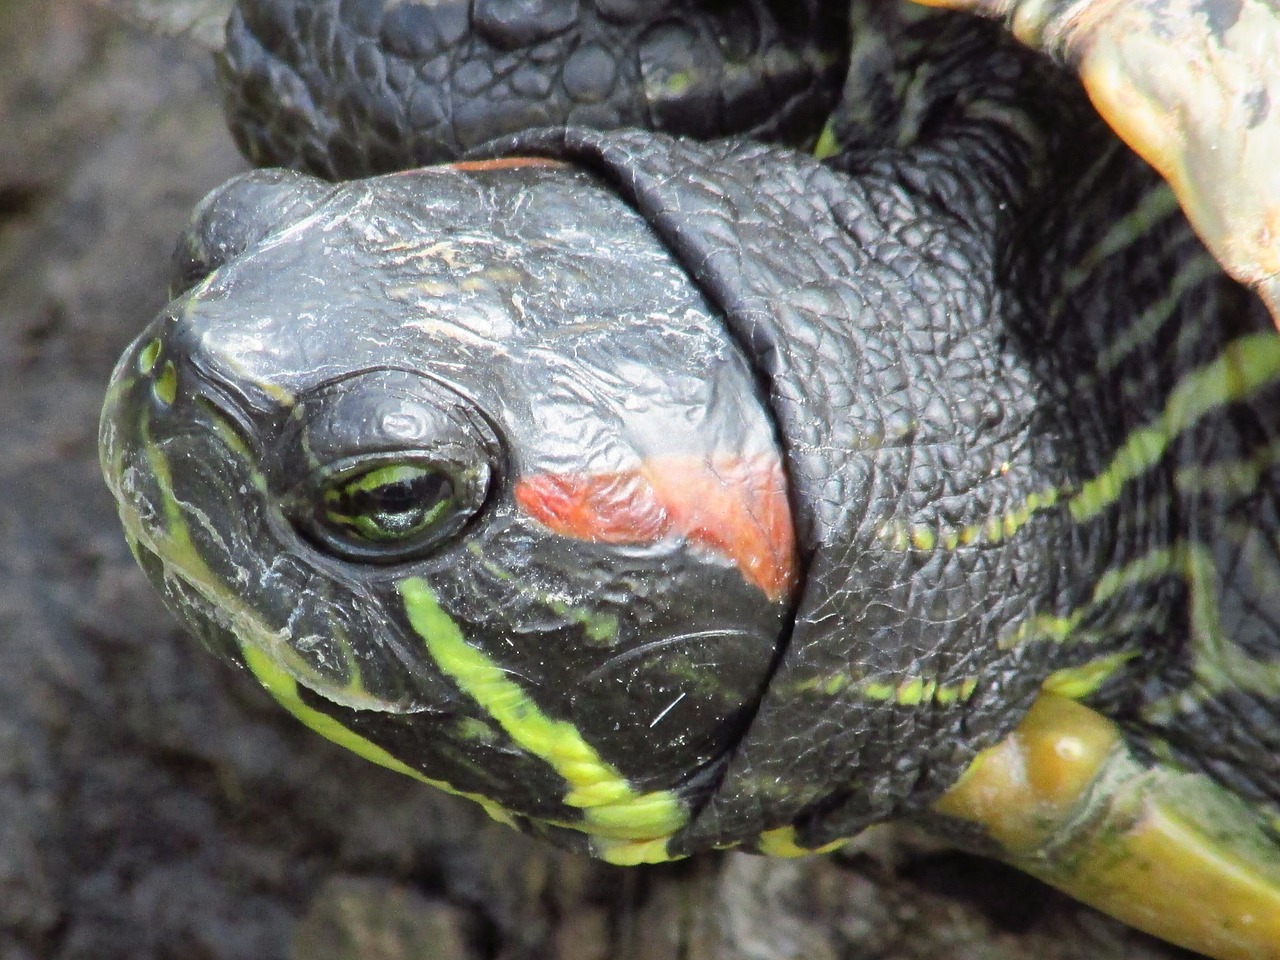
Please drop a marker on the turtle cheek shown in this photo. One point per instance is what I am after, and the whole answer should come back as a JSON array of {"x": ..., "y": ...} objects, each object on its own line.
[{"x": 655, "y": 654}]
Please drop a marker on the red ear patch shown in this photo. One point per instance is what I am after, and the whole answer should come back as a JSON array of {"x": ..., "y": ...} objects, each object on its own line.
[
  {"x": 735, "y": 507},
  {"x": 504, "y": 163}
]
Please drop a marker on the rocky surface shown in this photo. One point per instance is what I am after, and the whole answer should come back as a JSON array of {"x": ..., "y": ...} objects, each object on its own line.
[{"x": 155, "y": 804}]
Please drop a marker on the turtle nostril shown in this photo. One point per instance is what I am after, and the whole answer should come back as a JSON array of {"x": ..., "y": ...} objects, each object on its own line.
[
  {"x": 160, "y": 370},
  {"x": 148, "y": 356},
  {"x": 165, "y": 387}
]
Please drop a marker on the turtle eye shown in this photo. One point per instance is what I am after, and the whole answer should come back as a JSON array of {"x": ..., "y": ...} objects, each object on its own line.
[
  {"x": 392, "y": 511},
  {"x": 384, "y": 466}
]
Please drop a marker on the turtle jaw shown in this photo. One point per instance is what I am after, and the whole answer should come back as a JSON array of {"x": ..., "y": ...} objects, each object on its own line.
[{"x": 1171, "y": 853}]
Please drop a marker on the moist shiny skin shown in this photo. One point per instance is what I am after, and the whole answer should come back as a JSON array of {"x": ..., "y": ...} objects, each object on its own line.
[
  {"x": 456, "y": 320},
  {"x": 804, "y": 477}
]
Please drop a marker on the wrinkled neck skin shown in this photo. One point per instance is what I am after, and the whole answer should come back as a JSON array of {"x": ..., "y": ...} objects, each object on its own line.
[
  {"x": 987, "y": 341},
  {"x": 932, "y": 445}
]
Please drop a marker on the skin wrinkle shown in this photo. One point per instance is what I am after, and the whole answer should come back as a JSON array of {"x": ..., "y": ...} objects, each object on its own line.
[{"x": 645, "y": 649}]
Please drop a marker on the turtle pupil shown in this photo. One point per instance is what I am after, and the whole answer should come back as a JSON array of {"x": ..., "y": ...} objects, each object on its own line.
[
  {"x": 391, "y": 504},
  {"x": 404, "y": 496}
]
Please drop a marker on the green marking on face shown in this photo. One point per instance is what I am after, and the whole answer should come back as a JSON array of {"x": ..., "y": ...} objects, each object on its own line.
[
  {"x": 233, "y": 441},
  {"x": 181, "y": 557},
  {"x": 469, "y": 728},
  {"x": 601, "y": 628},
  {"x": 176, "y": 549},
  {"x": 284, "y": 689},
  {"x": 614, "y": 813}
]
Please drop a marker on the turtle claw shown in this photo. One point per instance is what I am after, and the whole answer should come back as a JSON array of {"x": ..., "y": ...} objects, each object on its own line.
[
  {"x": 1193, "y": 86},
  {"x": 1168, "y": 852}
]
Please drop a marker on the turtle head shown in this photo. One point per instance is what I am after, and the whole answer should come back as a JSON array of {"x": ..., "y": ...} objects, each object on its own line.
[{"x": 472, "y": 491}]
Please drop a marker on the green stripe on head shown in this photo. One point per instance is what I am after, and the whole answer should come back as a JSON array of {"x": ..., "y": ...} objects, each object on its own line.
[
  {"x": 622, "y": 822},
  {"x": 177, "y": 550},
  {"x": 284, "y": 689}
]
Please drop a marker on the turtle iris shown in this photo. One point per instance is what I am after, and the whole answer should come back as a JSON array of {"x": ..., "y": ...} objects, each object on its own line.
[
  {"x": 384, "y": 466},
  {"x": 389, "y": 504},
  {"x": 391, "y": 511}
]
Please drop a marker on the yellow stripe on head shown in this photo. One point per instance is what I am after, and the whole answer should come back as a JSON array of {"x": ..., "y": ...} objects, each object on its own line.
[{"x": 612, "y": 809}]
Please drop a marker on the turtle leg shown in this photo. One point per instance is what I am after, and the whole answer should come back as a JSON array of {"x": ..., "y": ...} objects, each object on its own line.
[
  {"x": 1193, "y": 86},
  {"x": 1168, "y": 852}
]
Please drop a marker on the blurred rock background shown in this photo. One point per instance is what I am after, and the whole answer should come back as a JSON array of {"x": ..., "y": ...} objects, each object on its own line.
[{"x": 155, "y": 804}]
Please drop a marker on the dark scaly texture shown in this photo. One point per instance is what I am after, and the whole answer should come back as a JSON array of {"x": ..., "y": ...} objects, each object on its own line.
[
  {"x": 978, "y": 325},
  {"x": 346, "y": 88},
  {"x": 927, "y": 354}
]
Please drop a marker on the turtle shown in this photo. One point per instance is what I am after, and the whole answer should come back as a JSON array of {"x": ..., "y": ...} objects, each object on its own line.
[{"x": 769, "y": 420}]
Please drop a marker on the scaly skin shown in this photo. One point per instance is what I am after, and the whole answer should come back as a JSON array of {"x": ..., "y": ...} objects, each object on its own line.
[
  {"x": 347, "y": 90},
  {"x": 664, "y": 495},
  {"x": 1193, "y": 87}
]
